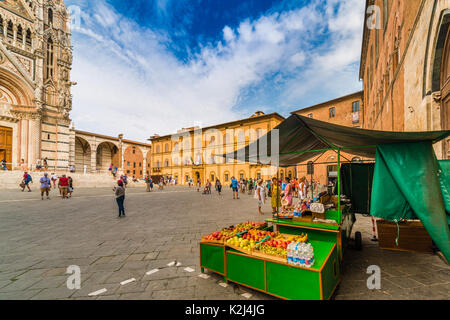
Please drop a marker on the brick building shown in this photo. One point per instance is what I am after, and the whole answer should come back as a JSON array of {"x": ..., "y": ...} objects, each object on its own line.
[
  {"x": 405, "y": 66},
  {"x": 345, "y": 111}
]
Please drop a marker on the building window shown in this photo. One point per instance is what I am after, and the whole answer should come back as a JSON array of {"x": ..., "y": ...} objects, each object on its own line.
[
  {"x": 310, "y": 115},
  {"x": 332, "y": 112},
  {"x": 310, "y": 169},
  {"x": 134, "y": 150},
  {"x": 128, "y": 163},
  {"x": 227, "y": 177},
  {"x": 49, "y": 58},
  {"x": 134, "y": 164},
  {"x": 166, "y": 163},
  {"x": 166, "y": 148},
  {"x": 1, "y": 27},
  {"x": 28, "y": 38},
  {"x": 9, "y": 30},
  {"x": 140, "y": 165},
  {"x": 50, "y": 16},
  {"x": 19, "y": 34},
  {"x": 355, "y": 106}
]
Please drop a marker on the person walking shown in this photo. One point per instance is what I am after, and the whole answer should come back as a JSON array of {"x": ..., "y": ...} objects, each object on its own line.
[
  {"x": 119, "y": 192},
  {"x": 250, "y": 186},
  {"x": 46, "y": 164},
  {"x": 288, "y": 195},
  {"x": 275, "y": 194},
  {"x": 235, "y": 187},
  {"x": 110, "y": 168},
  {"x": 63, "y": 186},
  {"x": 27, "y": 179},
  {"x": 54, "y": 179},
  {"x": 125, "y": 180},
  {"x": 45, "y": 186},
  {"x": 302, "y": 189},
  {"x": 3, "y": 168},
  {"x": 218, "y": 186},
  {"x": 70, "y": 188},
  {"x": 260, "y": 195},
  {"x": 199, "y": 185},
  {"x": 148, "y": 182}
]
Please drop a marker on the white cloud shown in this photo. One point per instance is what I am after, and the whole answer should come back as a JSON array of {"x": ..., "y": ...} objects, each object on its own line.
[{"x": 129, "y": 82}]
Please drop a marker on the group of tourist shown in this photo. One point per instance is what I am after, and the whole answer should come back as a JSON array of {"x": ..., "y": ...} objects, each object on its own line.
[{"x": 65, "y": 185}]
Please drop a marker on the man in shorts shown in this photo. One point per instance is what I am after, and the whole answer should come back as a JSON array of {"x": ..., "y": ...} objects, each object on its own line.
[
  {"x": 45, "y": 186},
  {"x": 64, "y": 186},
  {"x": 235, "y": 187}
]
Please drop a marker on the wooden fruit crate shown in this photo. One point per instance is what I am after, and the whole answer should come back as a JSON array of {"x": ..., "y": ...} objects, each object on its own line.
[{"x": 412, "y": 237}]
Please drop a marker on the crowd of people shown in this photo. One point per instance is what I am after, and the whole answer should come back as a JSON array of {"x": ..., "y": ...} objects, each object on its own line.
[
  {"x": 280, "y": 192},
  {"x": 63, "y": 183}
]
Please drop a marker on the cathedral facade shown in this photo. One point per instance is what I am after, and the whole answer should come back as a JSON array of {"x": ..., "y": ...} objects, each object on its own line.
[{"x": 35, "y": 85}]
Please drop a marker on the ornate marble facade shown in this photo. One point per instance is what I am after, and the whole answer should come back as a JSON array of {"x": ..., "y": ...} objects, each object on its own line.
[{"x": 35, "y": 85}]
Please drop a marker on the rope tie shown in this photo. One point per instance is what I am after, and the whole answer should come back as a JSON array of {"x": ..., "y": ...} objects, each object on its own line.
[{"x": 398, "y": 233}]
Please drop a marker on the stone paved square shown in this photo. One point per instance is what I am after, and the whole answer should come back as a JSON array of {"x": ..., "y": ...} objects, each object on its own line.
[{"x": 40, "y": 239}]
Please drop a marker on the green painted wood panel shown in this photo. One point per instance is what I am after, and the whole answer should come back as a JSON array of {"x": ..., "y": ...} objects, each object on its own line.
[
  {"x": 330, "y": 275},
  {"x": 212, "y": 258},
  {"x": 292, "y": 283},
  {"x": 245, "y": 270}
]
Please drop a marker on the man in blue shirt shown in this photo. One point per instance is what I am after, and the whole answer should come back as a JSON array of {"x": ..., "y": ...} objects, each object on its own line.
[
  {"x": 45, "y": 186},
  {"x": 235, "y": 187}
]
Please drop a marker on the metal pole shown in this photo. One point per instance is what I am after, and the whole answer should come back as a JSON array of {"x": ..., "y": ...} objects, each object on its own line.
[
  {"x": 339, "y": 186},
  {"x": 278, "y": 193}
]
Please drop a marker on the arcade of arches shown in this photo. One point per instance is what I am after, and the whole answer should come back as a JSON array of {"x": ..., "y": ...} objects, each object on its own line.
[{"x": 95, "y": 154}]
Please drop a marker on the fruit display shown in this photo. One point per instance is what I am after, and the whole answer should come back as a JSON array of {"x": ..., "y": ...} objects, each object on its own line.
[
  {"x": 244, "y": 244},
  {"x": 257, "y": 235},
  {"x": 269, "y": 248},
  {"x": 215, "y": 237},
  {"x": 251, "y": 225},
  {"x": 292, "y": 238},
  {"x": 234, "y": 231}
]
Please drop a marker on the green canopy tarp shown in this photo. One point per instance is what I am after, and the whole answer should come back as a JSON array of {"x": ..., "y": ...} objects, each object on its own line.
[
  {"x": 301, "y": 138},
  {"x": 407, "y": 185},
  {"x": 408, "y": 179}
]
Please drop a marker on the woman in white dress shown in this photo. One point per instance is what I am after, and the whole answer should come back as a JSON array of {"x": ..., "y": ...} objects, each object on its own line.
[{"x": 260, "y": 195}]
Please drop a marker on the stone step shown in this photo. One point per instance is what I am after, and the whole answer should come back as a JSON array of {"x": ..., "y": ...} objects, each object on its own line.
[{"x": 12, "y": 180}]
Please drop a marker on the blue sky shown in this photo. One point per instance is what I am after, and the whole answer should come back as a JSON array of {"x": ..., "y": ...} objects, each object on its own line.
[{"x": 155, "y": 66}]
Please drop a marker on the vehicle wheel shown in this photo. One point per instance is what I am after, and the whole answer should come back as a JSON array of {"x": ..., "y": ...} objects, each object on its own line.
[{"x": 358, "y": 241}]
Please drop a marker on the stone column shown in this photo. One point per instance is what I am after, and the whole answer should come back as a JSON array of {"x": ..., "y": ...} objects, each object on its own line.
[
  {"x": 15, "y": 34},
  {"x": 122, "y": 153},
  {"x": 144, "y": 164},
  {"x": 33, "y": 142},
  {"x": 94, "y": 158}
]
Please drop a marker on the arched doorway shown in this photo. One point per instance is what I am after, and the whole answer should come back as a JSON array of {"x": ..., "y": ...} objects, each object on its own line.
[
  {"x": 445, "y": 93},
  {"x": 6, "y": 146},
  {"x": 107, "y": 154},
  {"x": 82, "y": 155},
  {"x": 133, "y": 160}
]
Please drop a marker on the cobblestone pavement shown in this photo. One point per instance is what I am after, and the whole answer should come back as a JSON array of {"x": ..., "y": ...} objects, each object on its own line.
[{"x": 40, "y": 239}]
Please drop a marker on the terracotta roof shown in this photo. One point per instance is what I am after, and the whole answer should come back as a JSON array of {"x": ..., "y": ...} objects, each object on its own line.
[
  {"x": 265, "y": 116},
  {"x": 359, "y": 93},
  {"x": 112, "y": 138}
]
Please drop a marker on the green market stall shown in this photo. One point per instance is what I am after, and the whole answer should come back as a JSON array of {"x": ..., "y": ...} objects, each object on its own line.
[{"x": 398, "y": 170}]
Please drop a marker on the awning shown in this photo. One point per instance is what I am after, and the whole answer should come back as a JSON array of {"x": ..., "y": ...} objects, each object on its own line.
[{"x": 302, "y": 139}]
